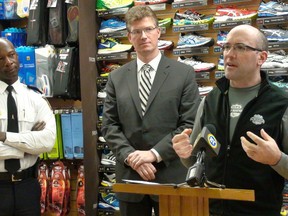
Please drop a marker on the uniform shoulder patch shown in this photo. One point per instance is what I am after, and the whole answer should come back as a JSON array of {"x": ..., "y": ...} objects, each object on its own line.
[{"x": 34, "y": 89}]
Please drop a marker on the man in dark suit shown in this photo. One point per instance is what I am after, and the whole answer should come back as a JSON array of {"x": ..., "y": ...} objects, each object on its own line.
[{"x": 139, "y": 120}]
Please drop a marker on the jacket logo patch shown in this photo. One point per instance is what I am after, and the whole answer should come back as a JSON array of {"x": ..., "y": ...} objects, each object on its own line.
[{"x": 257, "y": 119}]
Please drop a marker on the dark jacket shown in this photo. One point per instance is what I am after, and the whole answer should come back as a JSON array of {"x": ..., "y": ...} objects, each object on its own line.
[{"x": 233, "y": 167}]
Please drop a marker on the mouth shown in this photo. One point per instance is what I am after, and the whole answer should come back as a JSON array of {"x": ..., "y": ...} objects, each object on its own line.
[{"x": 229, "y": 64}]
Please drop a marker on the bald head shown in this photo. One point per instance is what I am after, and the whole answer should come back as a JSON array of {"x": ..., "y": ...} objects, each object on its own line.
[
  {"x": 9, "y": 63},
  {"x": 253, "y": 35},
  {"x": 5, "y": 42}
]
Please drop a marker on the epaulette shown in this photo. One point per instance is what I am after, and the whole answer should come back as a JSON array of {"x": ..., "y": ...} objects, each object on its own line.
[{"x": 35, "y": 89}]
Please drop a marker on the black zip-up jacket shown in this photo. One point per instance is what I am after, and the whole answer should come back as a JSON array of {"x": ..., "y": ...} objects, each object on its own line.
[{"x": 232, "y": 167}]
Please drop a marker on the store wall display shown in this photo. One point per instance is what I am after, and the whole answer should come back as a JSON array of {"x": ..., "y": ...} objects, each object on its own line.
[{"x": 197, "y": 30}]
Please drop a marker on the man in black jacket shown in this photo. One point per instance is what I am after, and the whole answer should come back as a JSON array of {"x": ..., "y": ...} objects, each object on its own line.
[{"x": 250, "y": 117}]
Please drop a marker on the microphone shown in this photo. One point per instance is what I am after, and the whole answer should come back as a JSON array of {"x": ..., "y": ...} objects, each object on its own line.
[{"x": 205, "y": 143}]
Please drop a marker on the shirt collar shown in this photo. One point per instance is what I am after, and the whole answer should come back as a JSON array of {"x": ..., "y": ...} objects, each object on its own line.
[
  {"x": 16, "y": 86},
  {"x": 154, "y": 63}
]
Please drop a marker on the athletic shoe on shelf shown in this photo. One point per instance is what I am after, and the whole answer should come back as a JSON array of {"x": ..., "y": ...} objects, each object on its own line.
[
  {"x": 112, "y": 25},
  {"x": 220, "y": 65},
  {"x": 275, "y": 35},
  {"x": 190, "y": 40},
  {"x": 165, "y": 45},
  {"x": 102, "y": 5},
  {"x": 108, "y": 158},
  {"x": 272, "y": 8},
  {"x": 198, "y": 65},
  {"x": 101, "y": 139},
  {"x": 108, "y": 67},
  {"x": 189, "y": 17},
  {"x": 103, "y": 205},
  {"x": 111, "y": 45},
  {"x": 102, "y": 93},
  {"x": 110, "y": 199},
  {"x": 149, "y": 2},
  {"x": 277, "y": 59},
  {"x": 232, "y": 14},
  {"x": 221, "y": 37},
  {"x": 105, "y": 183},
  {"x": 165, "y": 22},
  {"x": 111, "y": 177}
]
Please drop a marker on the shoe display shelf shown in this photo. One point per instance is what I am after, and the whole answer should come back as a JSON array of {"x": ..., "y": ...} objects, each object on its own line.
[
  {"x": 275, "y": 24},
  {"x": 208, "y": 53}
]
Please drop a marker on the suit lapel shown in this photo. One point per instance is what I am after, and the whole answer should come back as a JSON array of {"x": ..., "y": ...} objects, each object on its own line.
[
  {"x": 133, "y": 85},
  {"x": 161, "y": 74}
]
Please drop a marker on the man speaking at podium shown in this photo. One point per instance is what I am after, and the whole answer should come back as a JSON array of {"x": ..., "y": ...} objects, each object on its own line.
[{"x": 250, "y": 117}]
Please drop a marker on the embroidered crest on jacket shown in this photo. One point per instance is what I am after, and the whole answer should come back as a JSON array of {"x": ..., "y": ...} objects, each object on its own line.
[{"x": 257, "y": 119}]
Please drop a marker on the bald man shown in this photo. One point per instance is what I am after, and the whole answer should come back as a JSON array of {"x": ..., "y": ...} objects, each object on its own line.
[
  {"x": 29, "y": 132},
  {"x": 250, "y": 117}
]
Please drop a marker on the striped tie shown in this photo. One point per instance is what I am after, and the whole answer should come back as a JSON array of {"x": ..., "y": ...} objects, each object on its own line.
[{"x": 144, "y": 86}]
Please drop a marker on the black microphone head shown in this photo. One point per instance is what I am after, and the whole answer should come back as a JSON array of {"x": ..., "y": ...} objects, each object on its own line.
[
  {"x": 211, "y": 128},
  {"x": 206, "y": 141}
]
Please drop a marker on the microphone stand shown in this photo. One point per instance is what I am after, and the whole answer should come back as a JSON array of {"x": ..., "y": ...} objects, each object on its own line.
[{"x": 197, "y": 176}]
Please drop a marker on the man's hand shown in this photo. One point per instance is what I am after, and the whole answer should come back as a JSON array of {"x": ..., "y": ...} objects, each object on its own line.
[
  {"x": 146, "y": 171},
  {"x": 182, "y": 145},
  {"x": 137, "y": 158},
  {"x": 265, "y": 151},
  {"x": 38, "y": 126}
]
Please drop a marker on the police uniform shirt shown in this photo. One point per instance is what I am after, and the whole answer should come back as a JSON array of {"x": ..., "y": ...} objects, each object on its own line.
[{"x": 26, "y": 145}]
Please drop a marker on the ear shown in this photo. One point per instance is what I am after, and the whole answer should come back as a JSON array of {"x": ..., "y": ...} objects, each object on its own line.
[
  {"x": 129, "y": 37},
  {"x": 262, "y": 57}
]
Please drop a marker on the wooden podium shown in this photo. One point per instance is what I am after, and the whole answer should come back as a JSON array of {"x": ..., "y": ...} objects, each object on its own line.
[{"x": 185, "y": 200}]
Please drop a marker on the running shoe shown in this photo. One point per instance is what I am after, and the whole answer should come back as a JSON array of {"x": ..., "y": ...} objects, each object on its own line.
[
  {"x": 148, "y": 2},
  {"x": 111, "y": 177},
  {"x": 102, "y": 93},
  {"x": 165, "y": 45},
  {"x": 232, "y": 14},
  {"x": 108, "y": 158},
  {"x": 221, "y": 37},
  {"x": 220, "y": 65},
  {"x": 197, "y": 64},
  {"x": 106, "y": 206},
  {"x": 191, "y": 40},
  {"x": 102, "y": 5},
  {"x": 110, "y": 199},
  {"x": 277, "y": 59},
  {"x": 112, "y": 25},
  {"x": 165, "y": 22},
  {"x": 111, "y": 45},
  {"x": 275, "y": 35},
  {"x": 272, "y": 8},
  {"x": 101, "y": 139},
  {"x": 189, "y": 17}
]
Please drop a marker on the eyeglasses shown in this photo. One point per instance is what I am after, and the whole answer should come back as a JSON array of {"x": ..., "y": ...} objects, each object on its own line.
[
  {"x": 238, "y": 47},
  {"x": 147, "y": 30}
]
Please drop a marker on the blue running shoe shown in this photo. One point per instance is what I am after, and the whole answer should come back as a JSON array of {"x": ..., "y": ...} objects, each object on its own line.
[
  {"x": 110, "y": 198},
  {"x": 272, "y": 8},
  {"x": 221, "y": 37},
  {"x": 191, "y": 40},
  {"x": 275, "y": 35},
  {"x": 112, "y": 25}
]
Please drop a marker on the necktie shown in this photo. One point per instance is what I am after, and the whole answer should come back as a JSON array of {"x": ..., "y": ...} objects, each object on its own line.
[
  {"x": 12, "y": 165},
  {"x": 144, "y": 86}
]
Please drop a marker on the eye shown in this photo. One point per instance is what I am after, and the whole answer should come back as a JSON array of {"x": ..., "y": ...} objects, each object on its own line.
[
  {"x": 240, "y": 47},
  {"x": 136, "y": 31},
  {"x": 226, "y": 47},
  {"x": 149, "y": 29}
]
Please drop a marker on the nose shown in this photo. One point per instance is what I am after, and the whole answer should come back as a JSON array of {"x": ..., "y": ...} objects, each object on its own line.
[
  {"x": 143, "y": 34},
  {"x": 8, "y": 60}
]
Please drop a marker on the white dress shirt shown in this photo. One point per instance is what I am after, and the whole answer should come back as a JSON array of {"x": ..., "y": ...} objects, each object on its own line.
[{"x": 26, "y": 145}]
